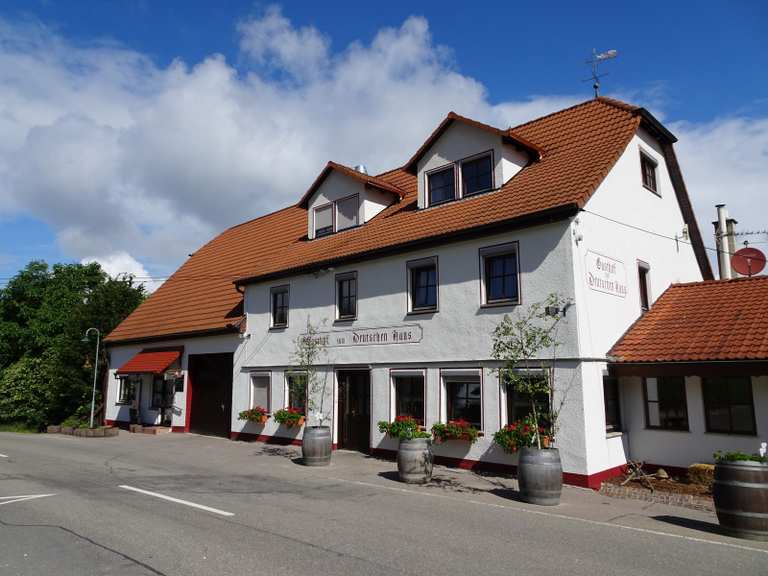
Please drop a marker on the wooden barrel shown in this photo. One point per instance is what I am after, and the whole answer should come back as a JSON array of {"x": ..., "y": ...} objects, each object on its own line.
[
  {"x": 414, "y": 461},
  {"x": 540, "y": 476},
  {"x": 740, "y": 492},
  {"x": 316, "y": 446}
]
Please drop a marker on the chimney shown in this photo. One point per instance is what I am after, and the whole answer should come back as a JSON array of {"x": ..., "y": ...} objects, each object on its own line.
[
  {"x": 722, "y": 242},
  {"x": 361, "y": 168}
]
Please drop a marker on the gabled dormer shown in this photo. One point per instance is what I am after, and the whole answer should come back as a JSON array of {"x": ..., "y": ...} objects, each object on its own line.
[
  {"x": 342, "y": 198},
  {"x": 463, "y": 158}
]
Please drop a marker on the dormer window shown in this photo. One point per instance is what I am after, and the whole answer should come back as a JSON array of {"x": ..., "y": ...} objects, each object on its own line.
[
  {"x": 476, "y": 175},
  {"x": 324, "y": 220},
  {"x": 347, "y": 211},
  {"x": 441, "y": 185}
]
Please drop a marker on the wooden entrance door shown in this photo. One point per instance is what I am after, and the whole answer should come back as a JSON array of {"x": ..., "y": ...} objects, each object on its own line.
[
  {"x": 354, "y": 432},
  {"x": 211, "y": 379}
]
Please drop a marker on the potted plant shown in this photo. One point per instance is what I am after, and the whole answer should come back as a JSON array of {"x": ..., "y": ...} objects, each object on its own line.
[
  {"x": 740, "y": 492},
  {"x": 455, "y": 430},
  {"x": 289, "y": 417},
  {"x": 518, "y": 343},
  {"x": 414, "y": 453},
  {"x": 309, "y": 349},
  {"x": 257, "y": 415}
]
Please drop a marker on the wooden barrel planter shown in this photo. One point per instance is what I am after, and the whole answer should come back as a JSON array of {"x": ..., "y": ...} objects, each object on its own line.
[
  {"x": 740, "y": 492},
  {"x": 316, "y": 446},
  {"x": 414, "y": 460},
  {"x": 540, "y": 476}
]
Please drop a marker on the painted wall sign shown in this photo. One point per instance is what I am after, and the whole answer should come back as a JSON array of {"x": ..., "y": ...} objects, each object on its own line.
[
  {"x": 606, "y": 275},
  {"x": 408, "y": 334}
]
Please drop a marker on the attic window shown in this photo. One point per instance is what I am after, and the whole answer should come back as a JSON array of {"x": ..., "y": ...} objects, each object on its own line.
[
  {"x": 476, "y": 175},
  {"x": 324, "y": 220},
  {"x": 441, "y": 185},
  {"x": 347, "y": 210},
  {"x": 648, "y": 168}
]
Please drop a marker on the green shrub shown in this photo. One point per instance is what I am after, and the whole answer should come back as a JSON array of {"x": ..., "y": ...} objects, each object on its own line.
[{"x": 739, "y": 457}]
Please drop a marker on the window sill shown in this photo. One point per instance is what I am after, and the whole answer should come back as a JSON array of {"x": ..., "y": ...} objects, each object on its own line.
[
  {"x": 656, "y": 192},
  {"x": 424, "y": 311},
  {"x": 657, "y": 429},
  {"x": 614, "y": 434},
  {"x": 344, "y": 321},
  {"x": 500, "y": 304},
  {"x": 745, "y": 434},
  {"x": 279, "y": 328}
]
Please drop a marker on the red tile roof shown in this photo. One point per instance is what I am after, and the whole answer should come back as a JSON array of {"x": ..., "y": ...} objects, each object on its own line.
[
  {"x": 579, "y": 146},
  {"x": 150, "y": 361},
  {"x": 701, "y": 321}
]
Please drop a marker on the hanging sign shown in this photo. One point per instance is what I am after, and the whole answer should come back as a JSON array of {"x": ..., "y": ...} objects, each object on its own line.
[
  {"x": 407, "y": 334},
  {"x": 606, "y": 274}
]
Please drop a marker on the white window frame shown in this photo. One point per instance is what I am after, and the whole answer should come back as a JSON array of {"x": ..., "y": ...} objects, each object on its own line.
[
  {"x": 447, "y": 374},
  {"x": 499, "y": 250},
  {"x": 419, "y": 263},
  {"x": 405, "y": 372},
  {"x": 260, "y": 374},
  {"x": 460, "y": 163},
  {"x": 121, "y": 383},
  {"x": 272, "y": 291},
  {"x": 341, "y": 277},
  {"x": 327, "y": 206}
]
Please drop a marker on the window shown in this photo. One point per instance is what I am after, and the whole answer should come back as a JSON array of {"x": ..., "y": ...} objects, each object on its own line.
[
  {"x": 297, "y": 391},
  {"x": 463, "y": 394},
  {"x": 441, "y": 185},
  {"x": 324, "y": 220},
  {"x": 611, "y": 401},
  {"x": 280, "y": 306},
  {"x": 409, "y": 396},
  {"x": 346, "y": 296},
  {"x": 642, "y": 275},
  {"x": 728, "y": 405},
  {"x": 347, "y": 212},
  {"x": 665, "y": 403},
  {"x": 500, "y": 279},
  {"x": 422, "y": 278},
  {"x": 476, "y": 175},
  {"x": 158, "y": 392},
  {"x": 648, "y": 168},
  {"x": 519, "y": 404},
  {"x": 124, "y": 390},
  {"x": 260, "y": 390}
]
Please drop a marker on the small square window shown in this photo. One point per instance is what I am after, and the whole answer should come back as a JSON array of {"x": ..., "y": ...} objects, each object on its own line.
[
  {"x": 346, "y": 296},
  {"x": 648, "y": 168},
  {"x": 441, "y": 186},
  {"x": 422, "y": 279},
  {"x": 666, "y": 406},
  {"x": 476, "y": 175},
  {"x": 464, "y": 397},
  {"x": 280, "y": 296},
  {"x": 499, "y": 274},
  {"x": 125, "y": 389},
  {"x": 347, "y": 212},
  {"x": 324, "y": 220},
  {"x": 728, "y": 405}
]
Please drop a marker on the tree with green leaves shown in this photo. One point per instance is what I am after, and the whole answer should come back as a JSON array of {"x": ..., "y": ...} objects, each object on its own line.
[
  {"x": 519, "y": 342},
  {"x": 45, "y": 368},
  {"x": 309, "y": 349}
]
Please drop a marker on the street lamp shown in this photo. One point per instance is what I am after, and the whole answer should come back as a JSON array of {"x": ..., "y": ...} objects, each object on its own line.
[{"x": 95, "y": 368}]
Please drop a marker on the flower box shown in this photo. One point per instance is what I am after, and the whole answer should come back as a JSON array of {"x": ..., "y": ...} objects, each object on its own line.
[
  {"x": 455, "y": 430},
  {"x": 289, "y": 417},
  {"x": 257, "y": 415}
]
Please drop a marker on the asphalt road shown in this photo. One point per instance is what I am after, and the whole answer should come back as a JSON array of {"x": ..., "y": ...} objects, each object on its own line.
[{"x": 183, "y": 504}]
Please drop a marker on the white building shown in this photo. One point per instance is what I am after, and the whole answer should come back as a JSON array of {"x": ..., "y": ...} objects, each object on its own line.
[{"x": 409, "y": 272}]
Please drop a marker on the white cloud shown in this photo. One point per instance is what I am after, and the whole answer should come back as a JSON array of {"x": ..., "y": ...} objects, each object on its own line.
[
  {"x": 116, "y": 152},
  {"x": 121, "y": 264}
]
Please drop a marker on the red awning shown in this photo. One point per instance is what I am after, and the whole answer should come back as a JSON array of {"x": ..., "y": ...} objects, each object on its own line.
[{"x": 151, "y": 361}]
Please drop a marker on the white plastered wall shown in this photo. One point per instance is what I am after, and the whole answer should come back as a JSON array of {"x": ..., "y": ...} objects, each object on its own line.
[
  {"x": 682, "y": 448},
  {"x": 625, "y": 223}
]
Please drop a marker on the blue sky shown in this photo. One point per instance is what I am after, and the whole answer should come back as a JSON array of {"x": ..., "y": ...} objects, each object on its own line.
[{"x": 118, "y": 152}]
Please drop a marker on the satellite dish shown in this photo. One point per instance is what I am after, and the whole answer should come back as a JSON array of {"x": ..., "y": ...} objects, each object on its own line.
[{"x": 748, "y": 261}]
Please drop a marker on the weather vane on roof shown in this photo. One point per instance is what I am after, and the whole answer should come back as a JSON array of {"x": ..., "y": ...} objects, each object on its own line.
[{"x": 594, "y": 62}]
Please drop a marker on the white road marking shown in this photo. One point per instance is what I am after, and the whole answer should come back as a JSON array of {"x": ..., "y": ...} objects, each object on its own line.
[
  {"x": 12, "y": 499},
  {"x": 559, "y": 516},
  {"x": 3, "y": 456},
  {"x": 177, "y": 500}
]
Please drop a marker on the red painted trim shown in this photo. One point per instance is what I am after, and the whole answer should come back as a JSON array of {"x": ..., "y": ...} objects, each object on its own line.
[
  {"x": 250, "y": 437},
  {"x": 592, "y": 481},
  {"x": 180, "y": 429},
  {"x": 123, "y": 425}
]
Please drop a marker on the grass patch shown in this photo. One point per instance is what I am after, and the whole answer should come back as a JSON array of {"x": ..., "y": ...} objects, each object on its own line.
[{"x": 17, "y": 427}]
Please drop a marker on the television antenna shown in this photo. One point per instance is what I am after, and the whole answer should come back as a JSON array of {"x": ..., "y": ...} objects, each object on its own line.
[{"x": 594, "y": 62}]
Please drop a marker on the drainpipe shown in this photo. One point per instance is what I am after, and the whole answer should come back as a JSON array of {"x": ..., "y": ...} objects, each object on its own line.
[{"x": 721, "y": 237}]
